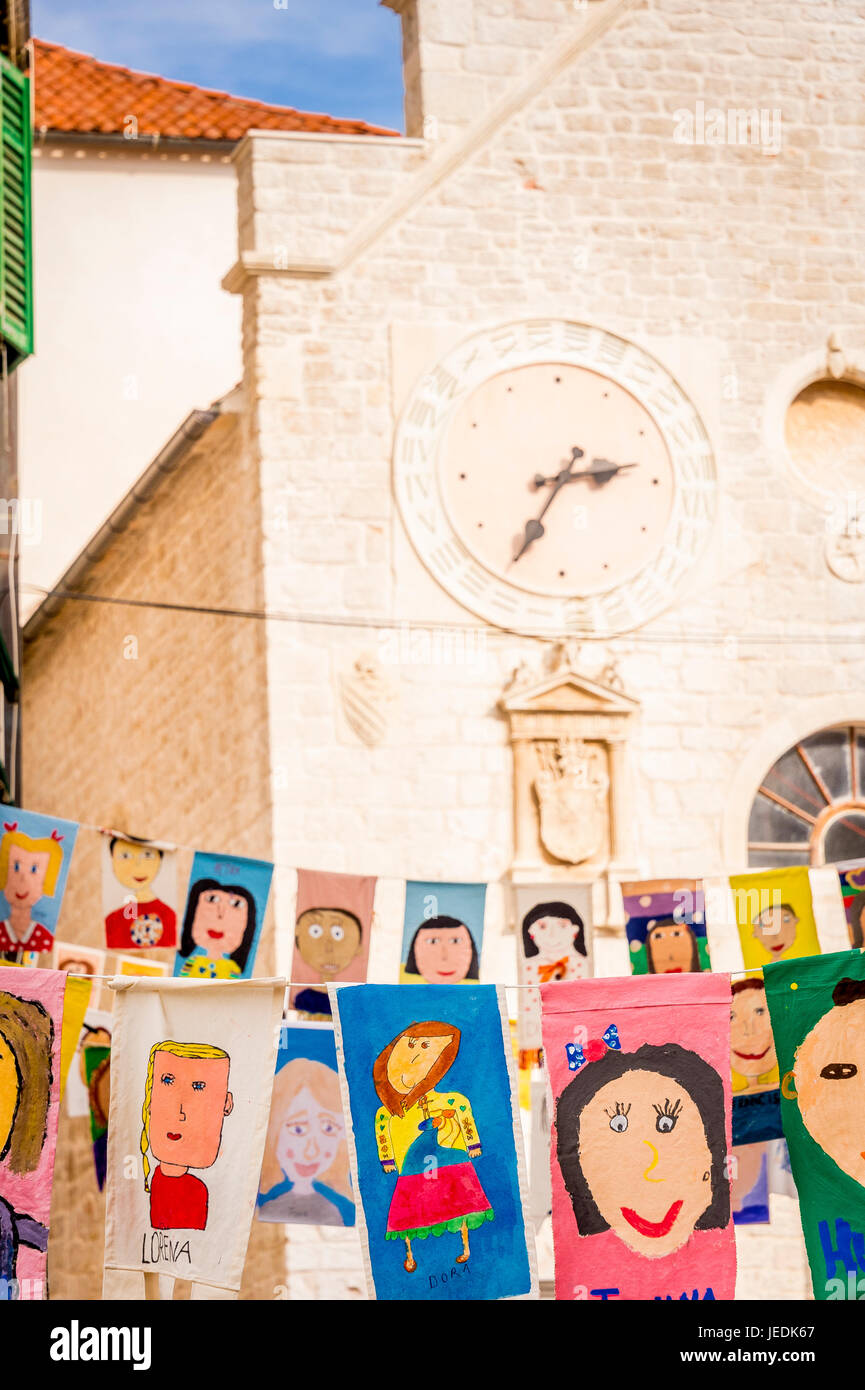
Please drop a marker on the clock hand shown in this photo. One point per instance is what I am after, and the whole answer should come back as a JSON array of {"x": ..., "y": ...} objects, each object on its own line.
[
  {"x": 534, "y": 526},
  {"x": 601, "y": 471}
]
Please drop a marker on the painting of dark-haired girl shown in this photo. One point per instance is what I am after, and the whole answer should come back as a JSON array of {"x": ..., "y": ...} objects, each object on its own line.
[
  {"x": 31, "y": 1011},
  {"x": 553, "y": 924},
  {"x": 442, "y": 933},
  {"x": 640, "y": 1138},
  {"x": 222, "y": 922},
  {"x": 433, "y": 1141}
]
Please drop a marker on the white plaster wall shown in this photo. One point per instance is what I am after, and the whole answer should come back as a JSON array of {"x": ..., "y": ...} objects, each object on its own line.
[
  {"x": 132, "y": 330},
  {"x": 727, "y": 263}
]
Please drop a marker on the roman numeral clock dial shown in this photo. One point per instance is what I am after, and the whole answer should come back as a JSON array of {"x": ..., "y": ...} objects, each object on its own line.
[{"x": 573, "y": 479}]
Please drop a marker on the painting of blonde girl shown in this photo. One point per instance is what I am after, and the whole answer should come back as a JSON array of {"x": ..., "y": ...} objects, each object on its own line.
[
  {"x": 29, "y": 871},
  {"x": 305, "y": 1174},
  {"x": 423, "y": 1129}
]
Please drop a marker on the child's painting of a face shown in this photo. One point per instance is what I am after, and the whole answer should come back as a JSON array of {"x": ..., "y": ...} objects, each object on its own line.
[
  {"x": 553, "y": 936},
  {"x": 333, "y": 925},
  {"x": 223, "y": 917},
  {"x": 775, "y": 929},
  {"x": 775, "y": 915},
  {"x": 189, "y": 1103},
  {"x": 666, "y": 926},
  {"x": 305, "y": 1174},
  {"x": 25, "y": 880},
  {"x": 830, "y": 1083},
  {"x": 443, "y": 928},
  {"x": 646, "y": 1160},
  {"x": 671, "y": 948},
  {"x": 35, "y": 852},
  {"x": 752, "y": 1047},
  {"x": 220, "y": 921},
  {"x": 412, "y": 1060},
  {"x": 443, "y": 952},
  {"x": 328, "y": 939}
]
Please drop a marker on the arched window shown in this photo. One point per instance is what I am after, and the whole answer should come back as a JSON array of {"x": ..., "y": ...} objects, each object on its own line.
[{"x": 810, "y": 806}]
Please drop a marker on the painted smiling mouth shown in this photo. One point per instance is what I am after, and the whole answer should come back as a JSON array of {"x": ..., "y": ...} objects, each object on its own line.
[
  {"x": 782, "y": 946},
  {"x": 169, "y": 1135},
  {"x": 306, "y": 1170},
  {"x": 655, "y": 1229},
  {"x": 20, "y": 896},
  {"x": 216, "y": 935},
  {"x": 673, "y": 970},
  {"x": 446, "y": 974},
  {"x": 751, "y": 1056}
]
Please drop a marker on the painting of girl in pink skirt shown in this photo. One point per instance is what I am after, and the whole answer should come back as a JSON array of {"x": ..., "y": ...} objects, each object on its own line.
[{"x": 427, "y": 1135}]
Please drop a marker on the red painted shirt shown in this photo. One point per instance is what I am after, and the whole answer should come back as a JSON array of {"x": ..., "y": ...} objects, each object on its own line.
[
  {"x": 123, "y": 931},
  {"x": 40, "y": 939},
  {"x": 177, "y": 1204}
]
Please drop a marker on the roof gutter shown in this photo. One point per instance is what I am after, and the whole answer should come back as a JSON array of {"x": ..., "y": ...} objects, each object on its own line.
[
  {"x": 98, "y": 139},
  {"x": 167, "y": 460}
]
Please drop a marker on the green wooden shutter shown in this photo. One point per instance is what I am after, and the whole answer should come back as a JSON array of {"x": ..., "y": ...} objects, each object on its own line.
[{"x": 16, "y": 236}]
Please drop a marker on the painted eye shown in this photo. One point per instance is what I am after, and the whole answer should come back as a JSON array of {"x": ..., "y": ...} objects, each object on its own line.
[
  {"x": 424, "y": 1044},
  {"x": 198, "y": 1085},
  {"x": 337, "y": 933},
  {"x": 665, "y": 1123},
  {"x": 316, "y": 930},
  {"x": 235, "y": 902},
  {"x": 32, "y": 868},
  {"x": 167, "y": 1079},
  {"x": 455, "y": 941},
  {"x": 619, "y": 1123},
  {"x": 839, "y": 1071}
]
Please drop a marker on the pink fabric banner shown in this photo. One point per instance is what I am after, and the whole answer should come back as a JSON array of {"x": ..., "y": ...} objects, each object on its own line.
[
  {"x": 31, "y": 1028},
  {"x": 640, "y": 1077}
]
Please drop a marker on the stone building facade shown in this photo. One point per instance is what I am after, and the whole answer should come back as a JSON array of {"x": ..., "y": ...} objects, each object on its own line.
[
  {"x": 558, "y": 168},
  {"x": 566, "y": 179}
]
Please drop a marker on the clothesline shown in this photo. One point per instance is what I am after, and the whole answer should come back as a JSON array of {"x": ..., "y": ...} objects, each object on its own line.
[{"x": 289, "y": 984}]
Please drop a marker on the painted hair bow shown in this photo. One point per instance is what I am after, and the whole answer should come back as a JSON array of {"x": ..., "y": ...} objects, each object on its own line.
[{"x": 593, "y": 1050}]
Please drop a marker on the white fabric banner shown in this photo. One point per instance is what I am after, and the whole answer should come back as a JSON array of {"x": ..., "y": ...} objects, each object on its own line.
[{"x": 192, "y": 1068}]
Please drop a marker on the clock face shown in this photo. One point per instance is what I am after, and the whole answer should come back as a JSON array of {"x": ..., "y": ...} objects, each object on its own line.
[
  {"x": 565, "y": 449},
  {"x": 555, "y": 478}
]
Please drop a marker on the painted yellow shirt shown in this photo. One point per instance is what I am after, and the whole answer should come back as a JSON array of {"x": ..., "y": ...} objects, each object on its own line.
[{"x": 395, "y": 1134}]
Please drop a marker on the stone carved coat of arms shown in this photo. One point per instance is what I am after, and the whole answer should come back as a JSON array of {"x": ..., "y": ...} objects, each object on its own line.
[{"x": 571, "y": 788}]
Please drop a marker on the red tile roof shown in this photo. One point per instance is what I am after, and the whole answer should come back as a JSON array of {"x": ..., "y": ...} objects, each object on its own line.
[{"x": 74, "y": 92}]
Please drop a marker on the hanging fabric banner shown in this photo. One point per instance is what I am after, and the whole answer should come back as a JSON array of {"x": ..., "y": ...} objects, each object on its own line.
[
  {"x": 35, "y": 852},
  {"x": 775, "y": 915},
  {"x": 96, "y": 1025},
  {"x": 443, "y": 932},
  {"x": 753, "y": 1064},
  {"x": 76, "y": 1002},
  {"x": 31, "y": 1028},
  {"x": 333, "y": 922},
  {"x": 224, "y": 914},
  {"x": 666, "y": 926},
  {"x": 852, "y": 879},
  {"x": 139, "y": 892},
  {"x": 305, "y": 1178},
  {"x": 192, "y": 1066},
  {"x": 554, "y": 942},
  {"x": 750, "y": 1185},
  {"x": 640, "y": 1075},
  {"x": 818, "y": 1019},
  {"x": 435, "y": 1142}
]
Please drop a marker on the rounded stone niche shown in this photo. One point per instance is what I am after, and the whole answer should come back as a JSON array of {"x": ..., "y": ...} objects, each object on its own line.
[{"x": 825, "y": 435}]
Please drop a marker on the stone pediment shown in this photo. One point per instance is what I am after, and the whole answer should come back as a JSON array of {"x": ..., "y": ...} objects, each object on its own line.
[{"x": 568, "y": 693}]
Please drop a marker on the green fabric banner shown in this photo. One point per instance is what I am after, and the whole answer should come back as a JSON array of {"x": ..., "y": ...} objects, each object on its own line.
[{"x": 817, "y": 1006}]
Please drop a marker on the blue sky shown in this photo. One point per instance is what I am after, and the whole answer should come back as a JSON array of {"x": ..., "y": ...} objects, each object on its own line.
[{"x": 338, "y": 56}]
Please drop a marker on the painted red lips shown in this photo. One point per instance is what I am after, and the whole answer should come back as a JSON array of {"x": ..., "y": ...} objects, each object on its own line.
[{"x": 655, "y": 1229}]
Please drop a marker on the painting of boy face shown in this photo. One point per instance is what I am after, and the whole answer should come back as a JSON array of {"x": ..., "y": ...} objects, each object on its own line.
[
  {"x": 135, "y": 866},
  {"x": 645, "y": 1156},
  {"x": 412, "y": 1059},
  {"x": 830, "y": 1084},
  {"x": 220, "y": 921},
  {"x": 328, "y": 940},
  {"x": 443, "y": 955},
  {"x": 553, "y": 936},
  {"x": 751, "y": 1044},
  {"x": 671, "y": 948},
  {"x": 309, "y": 1138},
  {"x": 189, "y": 1102},
  {"x": 26, "y": 876},
  {"x": 775, "y": 929}
]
